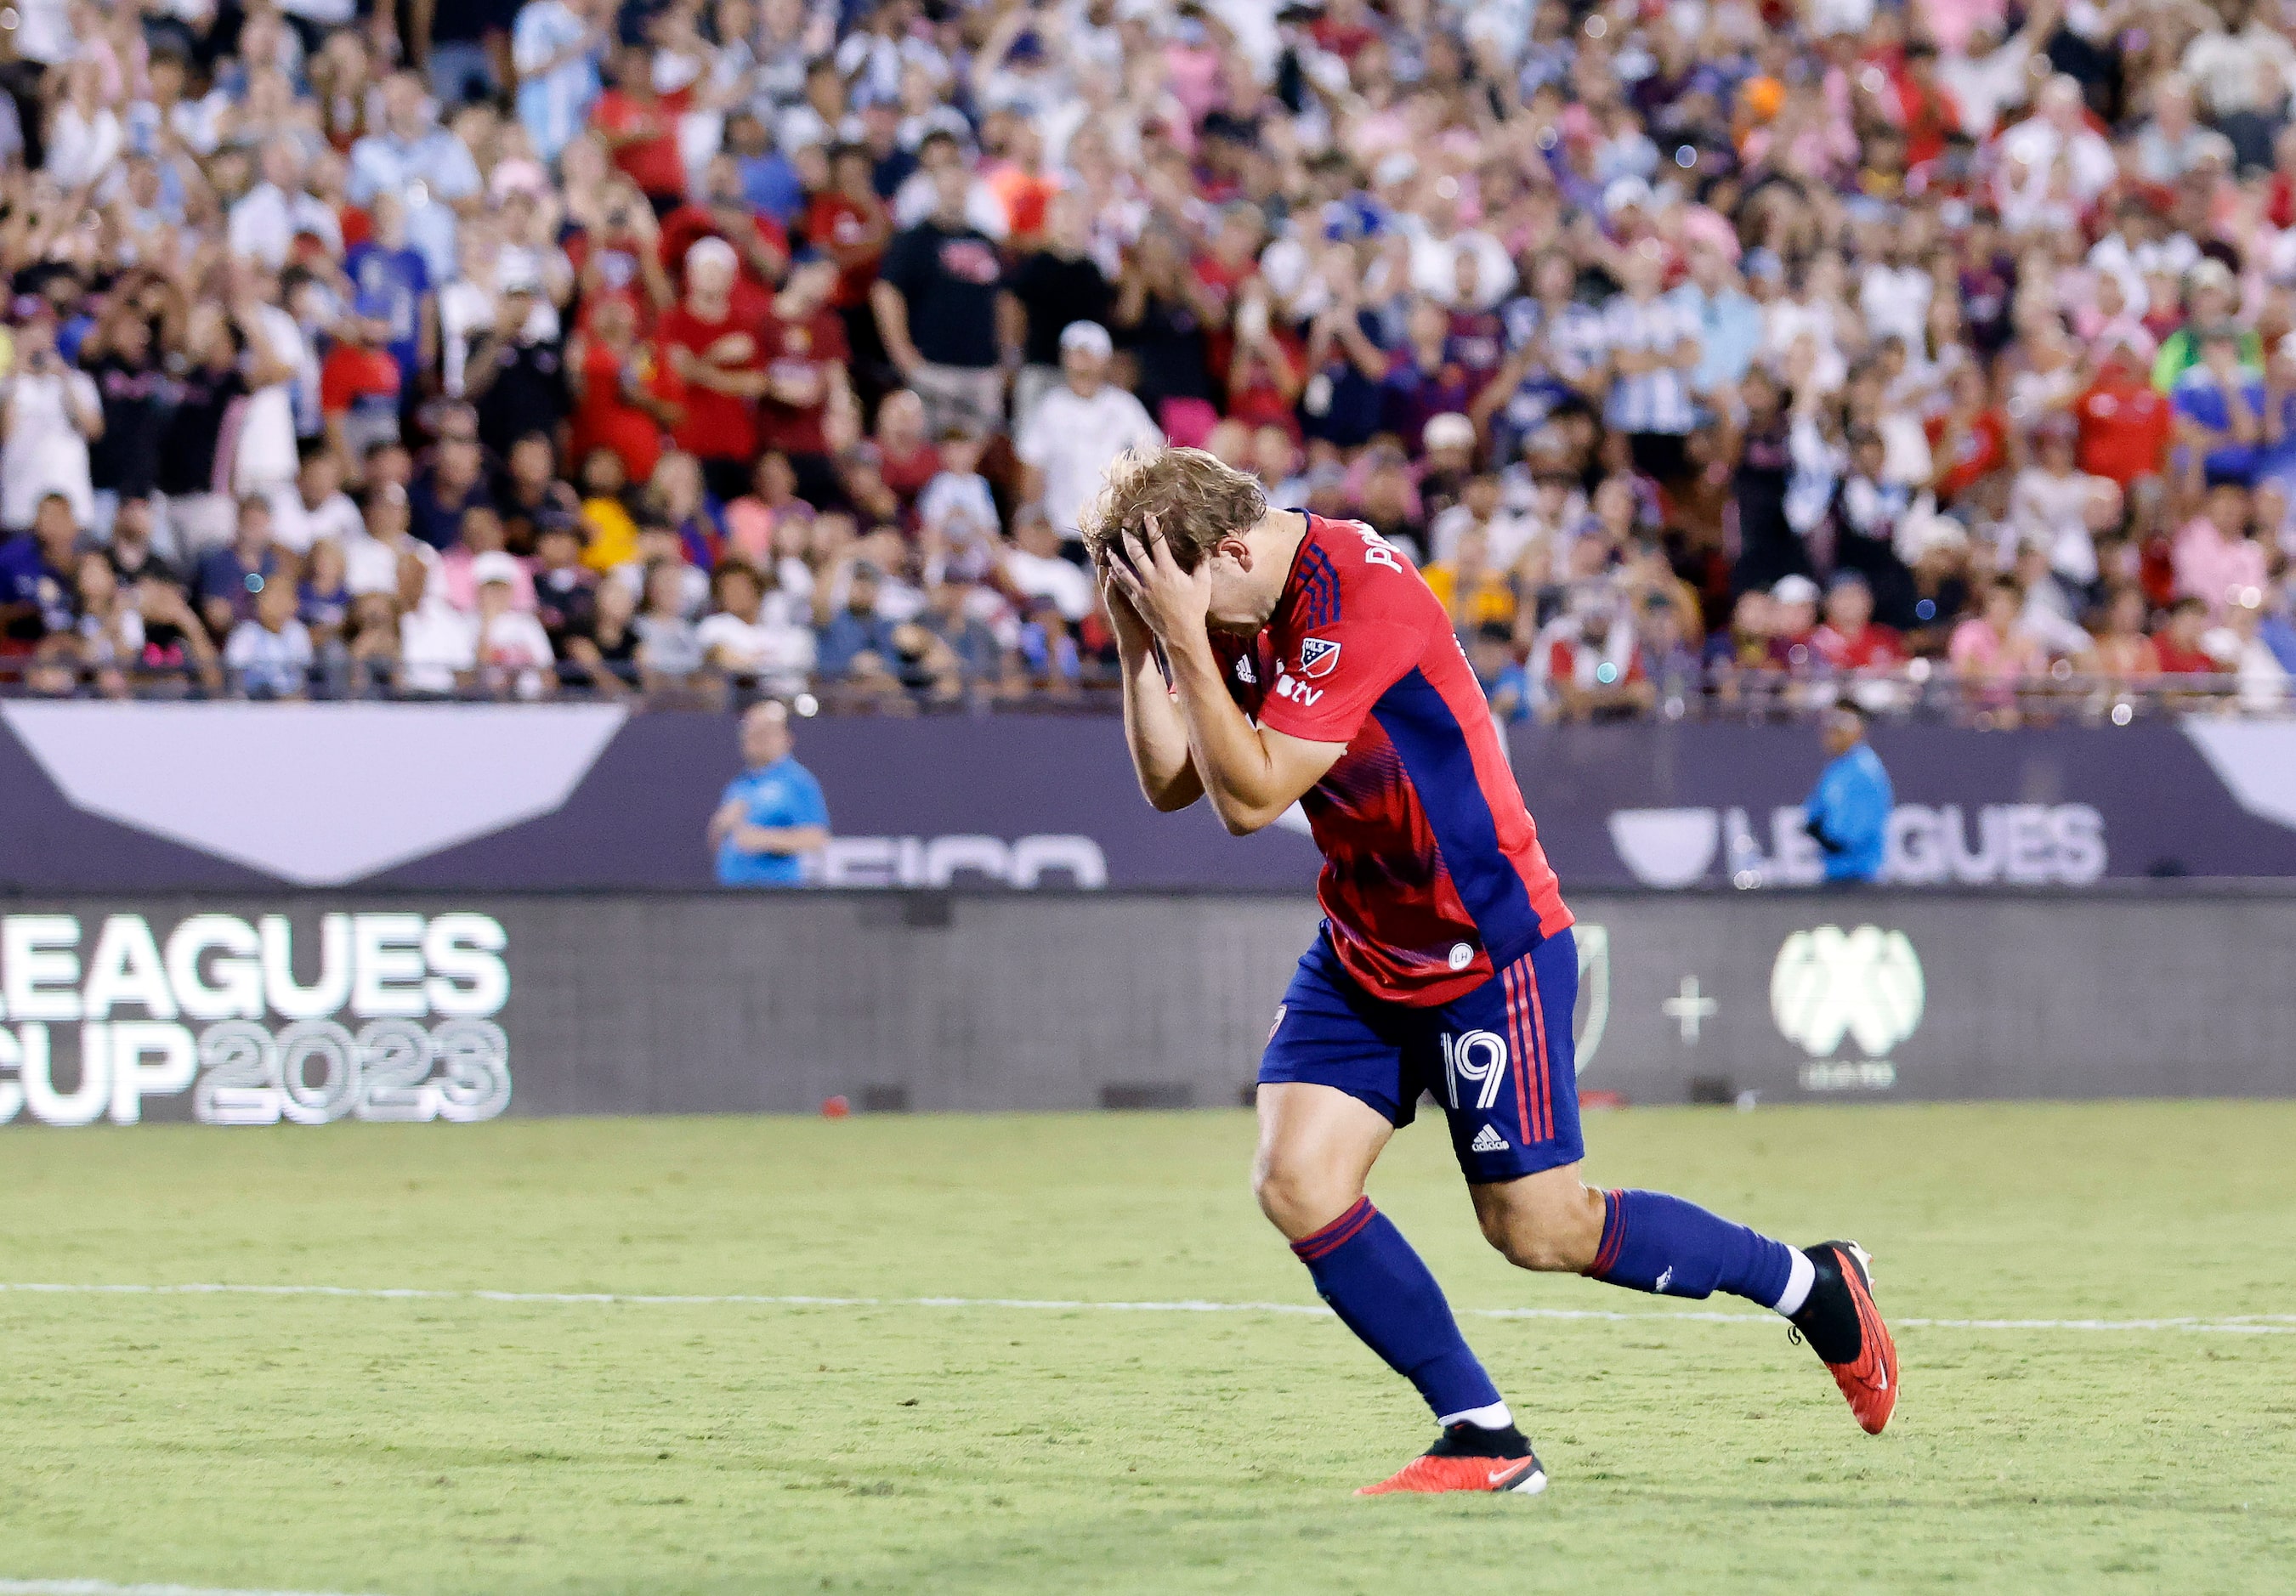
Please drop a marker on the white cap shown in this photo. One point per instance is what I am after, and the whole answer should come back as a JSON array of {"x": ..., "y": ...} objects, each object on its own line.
[
  {"x": 2208, "y": 272},
  {"x": 1448, "y": 430},
  {"x": 494, "y": 566},
  {"x": 1089, "y": 336},
  {"x": 712, "y": 249},
  {"x": 1795, "y": 590},
  {"x": 1623, "y": 192}
]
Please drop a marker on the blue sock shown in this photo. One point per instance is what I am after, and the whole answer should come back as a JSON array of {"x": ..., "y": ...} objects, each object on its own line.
[
  {"x": 1653, "y": 1242},
  {"x": 1376, "y": 1284}
]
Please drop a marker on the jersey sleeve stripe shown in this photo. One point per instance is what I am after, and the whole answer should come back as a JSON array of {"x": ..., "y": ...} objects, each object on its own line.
[{"x": 1440, "y": 766}]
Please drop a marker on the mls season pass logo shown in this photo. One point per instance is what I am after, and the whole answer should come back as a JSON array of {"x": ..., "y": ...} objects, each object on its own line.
[{"x": 1865, "y": 986}]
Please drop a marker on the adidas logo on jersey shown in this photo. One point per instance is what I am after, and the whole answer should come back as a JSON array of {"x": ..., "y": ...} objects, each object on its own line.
[{"x": 1487, "y": 1139}]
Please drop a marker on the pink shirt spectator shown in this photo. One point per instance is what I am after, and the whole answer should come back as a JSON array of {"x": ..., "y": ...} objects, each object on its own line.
[
  {"x": 2209, "y": 566},
  {"x": 460, "y": 584},
  {"x": 1991, "y": 661},
  {"x": 1951, "y": 22}
]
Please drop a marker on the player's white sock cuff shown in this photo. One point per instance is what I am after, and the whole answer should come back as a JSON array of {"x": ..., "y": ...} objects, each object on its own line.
[
  {"x": 1797, "y": 1284},
  {"x": 1493, "y": 1416}
]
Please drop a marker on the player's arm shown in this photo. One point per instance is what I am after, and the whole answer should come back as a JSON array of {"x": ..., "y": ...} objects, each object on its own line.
[
  {"x": 1154, "y": 730},
  {"x": 1251, "y": 775}
]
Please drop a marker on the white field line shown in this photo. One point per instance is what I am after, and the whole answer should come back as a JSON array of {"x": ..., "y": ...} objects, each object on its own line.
[
  {"x": 97, "y": 1587},
  {"x": 2248, "y": 1324}
]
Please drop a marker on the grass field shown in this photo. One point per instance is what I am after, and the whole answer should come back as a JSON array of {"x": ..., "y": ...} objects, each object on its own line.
[{"x": 410, "y": 1445}]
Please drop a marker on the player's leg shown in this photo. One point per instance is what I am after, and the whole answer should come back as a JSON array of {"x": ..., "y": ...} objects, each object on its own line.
[
  {"x": 1330, "y": 1097},
  {"x": 1511, "y": 1072}
]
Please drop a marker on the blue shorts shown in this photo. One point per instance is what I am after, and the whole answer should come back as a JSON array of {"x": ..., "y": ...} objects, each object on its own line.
[{"x": 1498, "y": 1060}]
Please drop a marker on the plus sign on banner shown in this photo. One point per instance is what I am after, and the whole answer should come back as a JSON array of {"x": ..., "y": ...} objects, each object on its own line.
[{"x": 1689, "y": 1010}]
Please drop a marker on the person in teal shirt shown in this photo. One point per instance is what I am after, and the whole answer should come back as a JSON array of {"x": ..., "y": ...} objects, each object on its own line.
[
  {"x": 773, "y": 814},
  {"x": 1849, "y": 813}
]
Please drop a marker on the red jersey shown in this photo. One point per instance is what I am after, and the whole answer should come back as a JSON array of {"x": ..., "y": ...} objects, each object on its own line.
[
  {"x": 1979, "y": 452},
  {"x": 1433, "y": 878},
  {"x": 802, "y": 350},
  {"x": 716, "y": 426},
  {"x": 1876, "y": 647},
  {"x": 692, "y": 222},
  {"x": 2177, "y": 660},
  {"x": 2125, "y": 426},
  {"x": 606, "y": 418},
  {"x": 352, "y": 372},
  {"x": 650, "y": 160},
  {"x": 834, "y": 224}
]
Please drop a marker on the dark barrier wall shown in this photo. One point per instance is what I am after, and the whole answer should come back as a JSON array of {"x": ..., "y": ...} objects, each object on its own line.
[
  {"x": 163, "y": 796},
  {"x": 295, "y": 1008}
]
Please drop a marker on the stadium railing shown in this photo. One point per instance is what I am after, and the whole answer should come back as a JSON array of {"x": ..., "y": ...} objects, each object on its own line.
[{"x": 1921, "y": 693}]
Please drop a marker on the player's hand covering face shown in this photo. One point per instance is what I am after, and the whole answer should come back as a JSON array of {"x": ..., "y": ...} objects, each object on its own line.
[
  {"x": 1172, "y": 601},
  {"x": 1131, "y": 631}
]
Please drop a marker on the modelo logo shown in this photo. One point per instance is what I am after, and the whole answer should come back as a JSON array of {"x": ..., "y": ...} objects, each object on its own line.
[
  {"x": 395, "y": 1022},
  {"x": 1027, "y": 862},
  {"x": 1863, "y": 986}
]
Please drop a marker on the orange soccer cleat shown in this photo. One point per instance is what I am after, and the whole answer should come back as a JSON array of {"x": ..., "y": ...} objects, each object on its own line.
[
  {"x": 1844, "y": 1328},
  {"x": 1469, "y": 1458}
]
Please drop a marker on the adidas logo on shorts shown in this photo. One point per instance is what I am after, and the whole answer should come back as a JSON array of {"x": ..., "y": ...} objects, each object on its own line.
[{"x": 1487, "y": 1139}]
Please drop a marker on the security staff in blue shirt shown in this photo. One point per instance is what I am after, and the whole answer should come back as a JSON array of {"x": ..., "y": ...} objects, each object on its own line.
[
  {"x": 1849, "y": 813},
  {"x": 773, "y": 814}
]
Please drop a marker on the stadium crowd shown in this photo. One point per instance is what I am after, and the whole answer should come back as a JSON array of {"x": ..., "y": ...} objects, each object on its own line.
[{"x": 1705, "y": 354}]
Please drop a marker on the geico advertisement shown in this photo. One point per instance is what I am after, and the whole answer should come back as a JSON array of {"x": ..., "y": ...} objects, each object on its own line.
[{"x": 386, "y": 1016}]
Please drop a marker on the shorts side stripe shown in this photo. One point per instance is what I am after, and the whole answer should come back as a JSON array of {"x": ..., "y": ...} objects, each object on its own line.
[
  {"x": 1538, "y": 1023},
  {"x": 1511, "y": 980}
]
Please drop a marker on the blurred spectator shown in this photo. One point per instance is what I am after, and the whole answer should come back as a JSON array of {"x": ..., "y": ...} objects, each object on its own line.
[
  {"x": 2216, "y": 561},
  {"x": 2177, "y": 647},
  {"x": 269, "y": 653},
  {"x": 1847, "y": 815},
  {"x": 1034, "y": 569},
  {"x": 511, "y": 650},
  {"x": 720, "y": 366},
  {"x": 742, "y": 641},
  {"x": 1058, "y": 286},
  {"x": 230, "y": 580},
  {"x": 1619, "y": 327},
  {"x": 49, "y": 413},
  {"x": 773, "y": 817},
  {"x": 1078, "y": 426},
  {"x": 941, "y": 305}
]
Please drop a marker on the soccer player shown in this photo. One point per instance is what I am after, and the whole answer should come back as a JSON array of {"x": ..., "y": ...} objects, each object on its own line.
[{"x": 1272, "y": 658}]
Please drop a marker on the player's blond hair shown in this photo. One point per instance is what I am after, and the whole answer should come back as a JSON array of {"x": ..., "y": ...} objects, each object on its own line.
[{"x": 1196, "y": 498}]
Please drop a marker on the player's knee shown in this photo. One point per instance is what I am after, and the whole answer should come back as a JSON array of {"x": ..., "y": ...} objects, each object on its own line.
[
  {"x": 1297, "y": 1201},
  {"x": 1553, "y": 1233}
]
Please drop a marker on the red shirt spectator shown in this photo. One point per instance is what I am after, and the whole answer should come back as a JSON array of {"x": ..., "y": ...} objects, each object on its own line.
[
  {"x": 803, "y": 348},
  {"x": 2177, "y": 643},
  {"x": 640, "y": 126},
  {"x": 2125, "y": 422},
  {"x": 356, "y": 375},
  {"x": 761, "y": 243},
  {"x": 849, "y": 224},
  {"x": 906, "y": 458},
  {"x": 1871, "y": 647},
  {"x": 716, "y": 357},
  {"x": 1967, "y": 453},
  {"x": 625, "y": 391}
]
